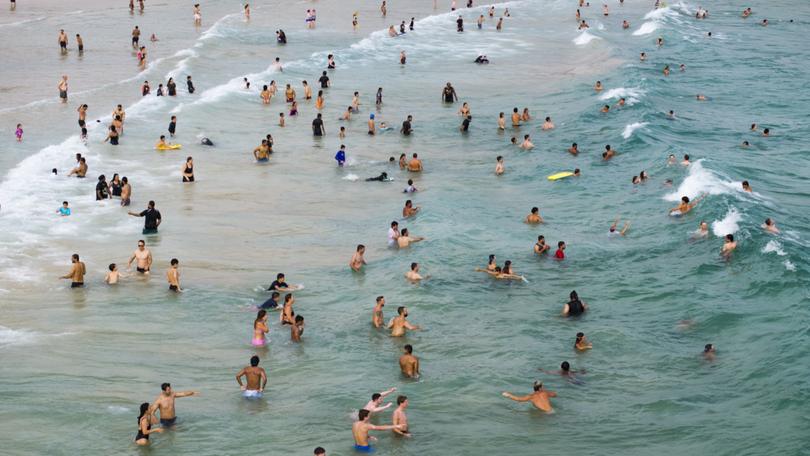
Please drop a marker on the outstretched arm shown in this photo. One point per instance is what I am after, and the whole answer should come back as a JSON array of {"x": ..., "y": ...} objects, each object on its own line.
[
  {"x": 186, "y": 393},
  {"x": 515, "y": 398}
]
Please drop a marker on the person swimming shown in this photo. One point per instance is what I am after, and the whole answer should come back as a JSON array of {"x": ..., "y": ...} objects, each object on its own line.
[{"x": 383, "y": 177}]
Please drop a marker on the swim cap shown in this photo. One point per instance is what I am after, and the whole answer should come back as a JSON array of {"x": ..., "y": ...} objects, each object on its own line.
[{"x": 371, "y": 116}]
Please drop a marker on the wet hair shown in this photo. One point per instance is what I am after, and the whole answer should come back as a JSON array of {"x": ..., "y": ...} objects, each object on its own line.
[
  {"x": 400, "y": 310},
  {"x": 565, "y": 366},
  {"x": 574, "y": 145},
  {"x": 491, "y": 258},
  {"x": 360, "y": 247},
  {"x": 254, "y": 360},
  {"x": 75, "y": 256},
  {"x": 745, "y": 184},
  {"x": 535, "y": 210},
  {"x": 319, "y": 451},
  {"x": 580, "y": 335},
  {"x": 299, "y": 318},
  {"x": 375, "y": 396},
  {"x": 541, "y": 238},
  {"x": 279, "y": 276},
  {"x": 394, "y": 223},
  {"x": 401, "y": 399},
  {"x": 686, "y": 156},
  {"x": 685, "y": 199},
  {"x": 151, "y": 202},
  {"x": 768, "y": 221},
  {"x": 408, "y": 348},
  {"x": 261, "y": 314},
  {"x": 414, "y": 265},
  {"x": 707, "y": 348},
  {"x": 362, "y": 414},
  {"x": 538, "y": 386},
  {"x": 573, "y": 295},
  {"x": 275, "y": 294},
  {"x": 144, "y": 409},
  {"x": 174, "y": 262},
  {"x": 165, "y": 386},
  {"x": 766, "y": 131},
  {"x": 288, "y": 298},
  {"x": 499, "y": 158},
  {"x": 561, "y": 243},
  {"x": 64, "y": 202},
  {"x": 404, "y": 232},
  {"x": 730, "y": 237}
]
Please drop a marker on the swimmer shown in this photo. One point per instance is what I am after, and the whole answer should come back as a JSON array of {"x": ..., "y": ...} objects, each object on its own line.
[
  {"x": 598, "y": 86},
  {"x": 615, "y": 224},
  {"x": 770, "y": 226},
  {"x": 515, "y": 118},
  {"x": 63, "y": 88},
  {"x": 581, "y": 343},
  {"x": 340, "y": 156},
  {"x": 173, "y": 276},
  {"x": 703, "y": 230},
  {"x": 565, "y": 371},
  {"x": 540, "y": 247},
  {"x": 260, "y": 329},
  {"x": 164, "y": 404},
  {"x": 64, "y": 211},
  {"x": 465, "y": 124},
  {"x": 357, "y": 262},
  {"x": 280, "y": 285},
  {"x": 527, "y": 143},
  {"x": 272, "y": 301},
  {"x": 608, "y": 153},
  {"x": 560, "y": 253},
  {"x": 491, "y": 265},
  {"x": 671, "y": 160},
  {"x": 620, "y": 103},
  {"x": 143, "y": 257},
  {"x": 534, "y": 217},
  {"x": 77, "y": 272},
  {"x": 360, "y": 431},
  {"x": 625, "y": 25},
  {"x": 682, "y": 67},
  {"x": 700, "y": 97},
  {"x": 574, "y": 149},
  {"x": 399, "y": 324},
  {"x": 539, "y": 398},
  {"x": 729, "y": 244},
  {"x": 605, "y": 108},
  {"x": 745, "y": 144},
  {"x": 406, "y": 126},
  {"x": 449, "y": 94},
  {"x": 465, "y": 109},
  {"x": 415, "y": 165},
  {"x": 582, "y": 25},
  {"x": 671, "y": 115},
  {"x": 409, "y": 209},
  {"x": 643, "y": 56},
  {"x": 410, "y": 188},
  {"x": 747, "y": 187},
  {"x": 400, "y": 420},
  {"x": 374, "y": 405},
  {"x": 766, "y": 132},
  {"x": 666, "y": 70},
  {"x": 145, "y": 422},
  {"x": 255, "y": 377},
  {"x": 576, "y": 172},
  {"x": 574, "y": 306},
  {"x": 548, "y": 124},
  {"x": 262, "y": 152},
  {"x": 499, "y": 274},
  {"x": 514, "y": 141},
  {"x": 404, "y": 240},
  {"x": 297, "y": 328},
  {"x": 377, "y": 317},
  {"x": 287, "y": 315},
  {"x": 112, "y": 277},
  {"x": 499, "y": 167},
  {"x": 525, "y": 117},
  {"x": 371, "y": 126},
  {"x": 408, "y": 363},
  {"x": 685, "y": 205},
  {"x": 685, "y": 161},
  {"x": 709, "y": 352},
  {"x": 413, "y": 275}
]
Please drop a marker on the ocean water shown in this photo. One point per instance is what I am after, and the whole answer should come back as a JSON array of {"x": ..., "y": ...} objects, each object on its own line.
[{"x": 76, "y": 364}]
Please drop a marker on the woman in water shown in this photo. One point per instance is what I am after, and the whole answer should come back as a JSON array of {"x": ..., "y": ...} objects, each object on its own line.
[
  {"x": 491, "y": 264},
  {"x": 115, "y": 185},
  {"x": 574, "y": 307},
  {"x": 465, "y": 110},
  {"x": 260, "y": 329},
  {"x": 145, "y": 426},
  {"x": 188, "y": 170},
  {"x": 112, "y": 136}
]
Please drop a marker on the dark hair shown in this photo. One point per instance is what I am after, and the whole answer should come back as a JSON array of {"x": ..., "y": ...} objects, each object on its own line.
[
  {"x": 400, "y": 310},
  {"x": 375, "y": 396},
  {"x": 75, "y": 256},
  {"x": 254, "y": 360},
  {"x": 275, "y": 294},
  {"x": 565, "y": 366},
  {"x": 320, "y": 450},
  {"x": 360, "y": 246},
  {"x": 730, "y": 237},
  {"x": 414, "y": 265},
  {"x": 112, "y": 266},
  {"x": 299, "y": 318},
  {"x": 561, "y": 243},
  {"x": 259, "y": 316},
  {"x": 380, "y": 298},
  {"x": 362, "y": 414},
  {"x": 535, "y": 209},
  {"x": 144, "y": 409},
  {"x": 165, "y": 386},
  {"x": 401, "y": 399},
  {"x": 174, "y": 262},
  {"x": 538, "y": 386},
  {"x": 279, "y": 276},
  {"x": 408, "y": 348},
  {"x": 707, "y": 348}
]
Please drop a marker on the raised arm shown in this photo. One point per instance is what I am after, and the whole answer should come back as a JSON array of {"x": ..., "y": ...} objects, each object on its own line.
[{"x": 186, "y": 393}]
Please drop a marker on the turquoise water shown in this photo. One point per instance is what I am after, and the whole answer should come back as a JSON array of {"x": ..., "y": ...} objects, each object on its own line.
[{"x": 76, "y": 364}]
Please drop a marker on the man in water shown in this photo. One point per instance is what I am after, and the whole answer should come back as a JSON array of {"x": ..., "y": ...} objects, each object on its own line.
[
  {"x": 574, "y": 149},
  {"x": 340, "y": 156},
  {"x": 373, "y": 406},
  {"x": 393, "y": 233},
  {"x": 728, "y": 245},
  {"x": 449, "y": 94},
  {"x": 317, "y": 126},
  {"x": 324, "y": 80},
  {"x": 262, "y": 153},
  {"x": 406, "y": 126},
  {"x": 409, "y": 209},
  {"x": 63, "y": 88},
  {"x": 144, "y": 257},
  {"x": 360, "y": 431},
  {"x": 415, "y": 165},
  {"x": 357, "y": 261},
  {"x": 608, "y": 153},
  {"x": 279, "y": 284},
  {"x": 77, "y": 272},
  {"x": 255, "y": 377},
  {"x": 399, "y": 324},
  {"x": 377, "y": 318},
  {"x": 173, "y": 276},
  {"x": 413, "y": 275},
  {"x": 709, "y": 352},
  {"x": 560, "y": 253},
  {"x": 539, "y": 398},
  {"x": 540, "y": 247},
  {"x": 534, "y": 217},
  {"x": 408, "y": 363},
  {"x": 685, "y": 206},
  {"x": 400, "y": 420},
  {"x": 582, "y": 343},
  {"x": 272, "y": 302},
  {"x": 165, "y": 404},
  {"x": 527, "y": 143},
  {"x": 460, "y": 24},
  {"x": 770, "y": 226},
  {"x": 151, "y": 218},
  {"x": 297, "y": 328},
  {"x": 499, "y": 166},
  {"x": 405, "y": 239}
]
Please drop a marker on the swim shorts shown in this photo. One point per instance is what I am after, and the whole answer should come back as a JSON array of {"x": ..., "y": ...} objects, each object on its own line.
[
  {"x": 363, "y": 449},
  {"x": 252, "y": 394}
]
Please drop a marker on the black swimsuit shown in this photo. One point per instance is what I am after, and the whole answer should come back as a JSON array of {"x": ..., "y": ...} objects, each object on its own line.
[
  {"x": 140, "y": 434},
  {"x": 188, "y": 171}
]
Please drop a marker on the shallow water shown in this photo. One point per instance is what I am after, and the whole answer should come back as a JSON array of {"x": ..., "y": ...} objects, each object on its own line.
[{"x": 76, "y": 364}]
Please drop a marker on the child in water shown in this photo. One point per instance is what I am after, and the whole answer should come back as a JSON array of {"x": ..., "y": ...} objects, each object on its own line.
[
  {"x": 64, "y": 211},
  {"x": 19, "y": 133},
  {"x": 112, "y": 277}
]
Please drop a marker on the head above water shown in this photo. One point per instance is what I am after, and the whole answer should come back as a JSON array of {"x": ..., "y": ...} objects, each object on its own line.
[{"x": 254, "y": 361}]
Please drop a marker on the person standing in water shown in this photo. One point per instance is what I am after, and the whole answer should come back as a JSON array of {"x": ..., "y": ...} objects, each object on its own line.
[
  {"x": 449, "y": 94},
  {"x": 173, "y": 276},
  {"x": 539, "y": 398},
  {"x": 77, "y": 272},
  {"x": 357, "y": 262},
  {"x": 188, "y": 170},
  {"x": 151, "y": 216},
  {"x": 400, "y": 420},
  {"x": 360, "y": 430},
  {"x": 255, "y": 379},
  {"x": 145, "y": 422},
  {"x": 399, "y": 324},
  {"x": 143, "y": 257},
  {"x": 260, "y": 329},
  {"x": 377, "y": 318},
  {"x": 164, "y": 404},
  {"x": 408, "y": 363},
  {"x": 63, "y": 89}
]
